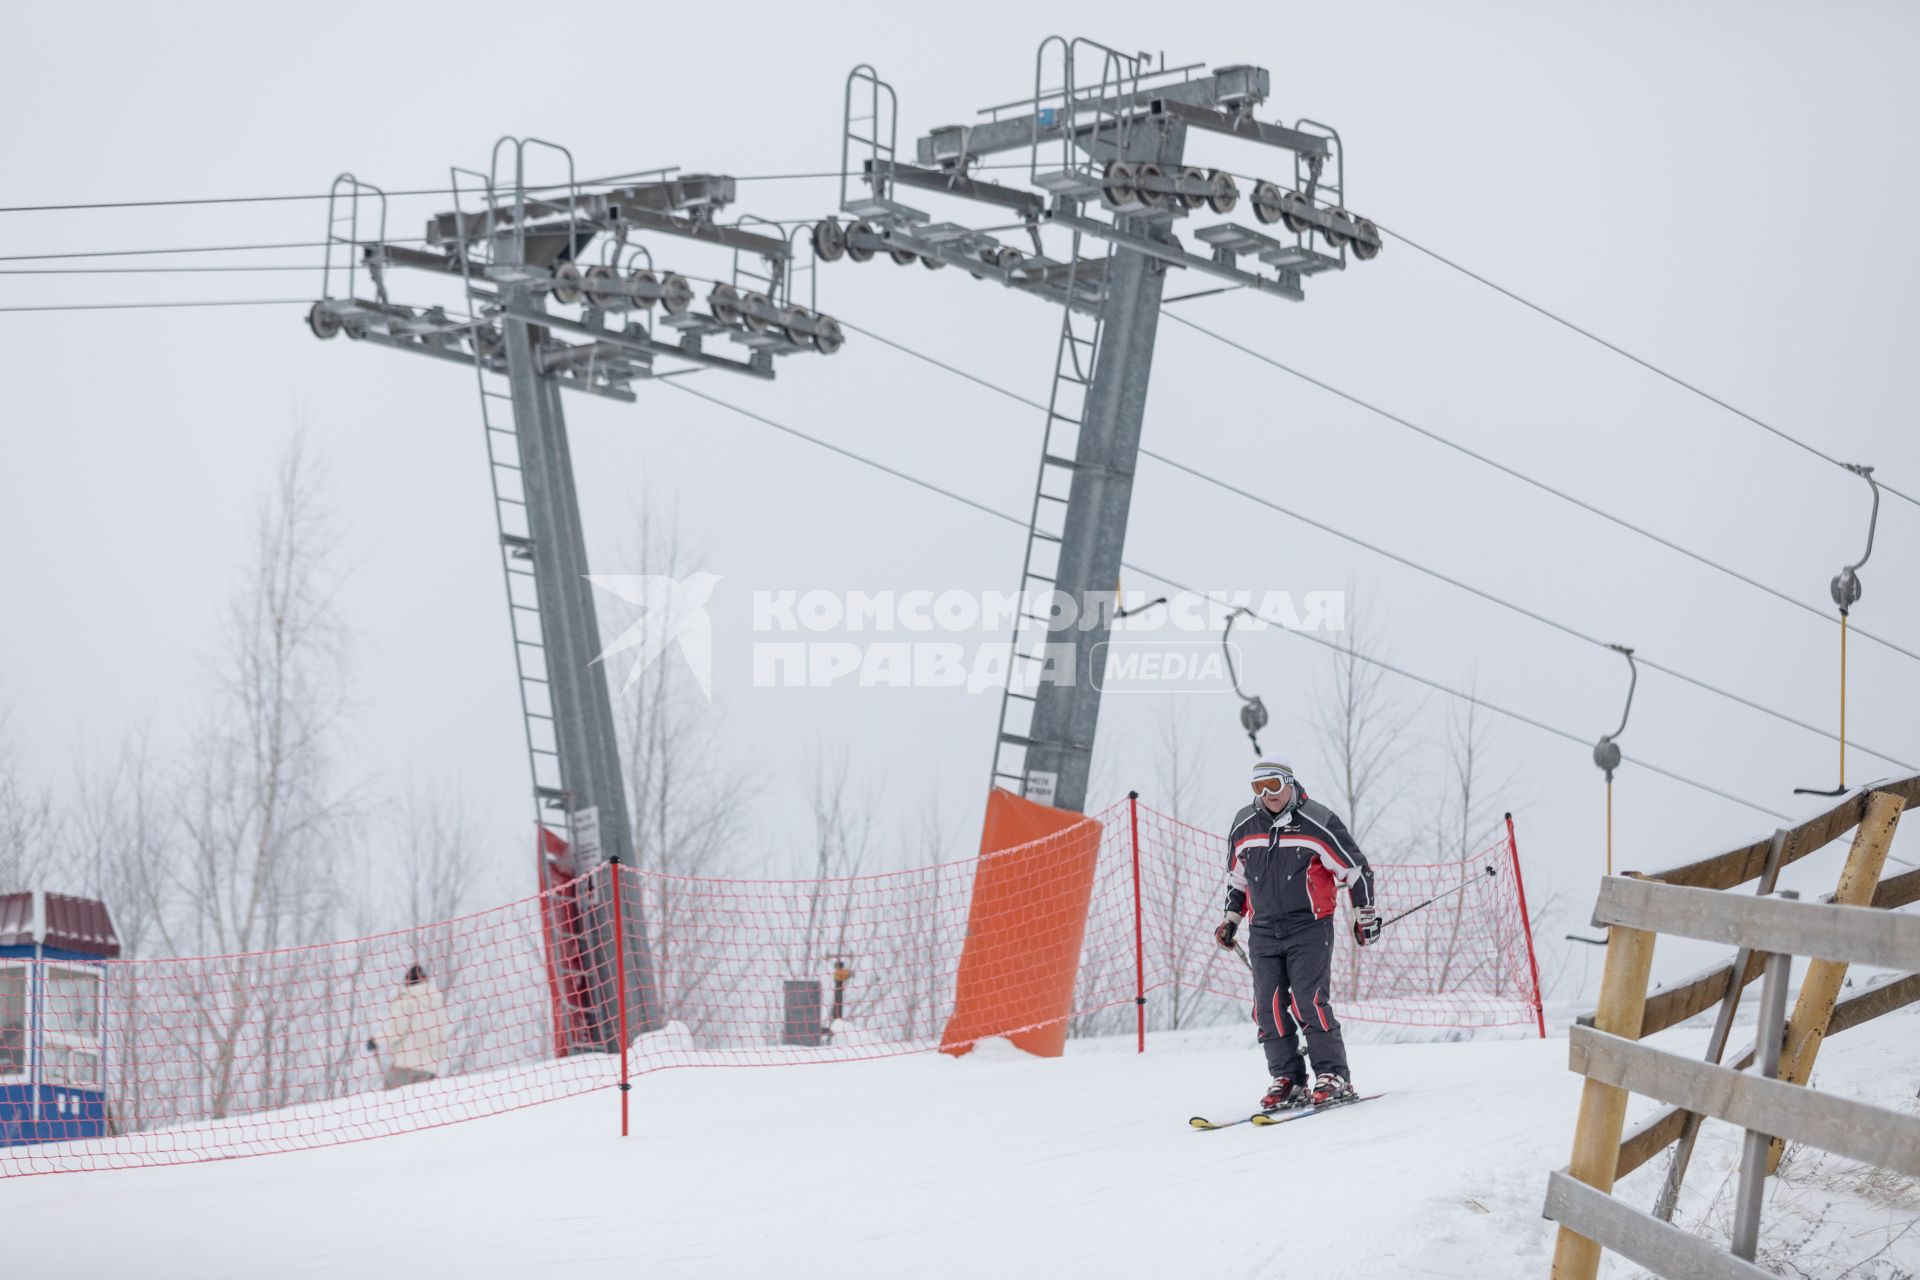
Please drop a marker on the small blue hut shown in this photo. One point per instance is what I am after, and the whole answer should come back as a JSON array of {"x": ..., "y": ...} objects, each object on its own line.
[{"x": 52, "y": 994}]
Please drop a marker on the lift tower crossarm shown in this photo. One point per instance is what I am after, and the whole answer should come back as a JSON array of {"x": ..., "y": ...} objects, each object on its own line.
[
  {"x": 637, "y": 343},
  {"x": 1242, "y": 125},
  {"x": 696, "y": 191},
  {"x": 1169, "y": 252},
  {"x": 1227, "y": 87},
  {"x": 953, "y": 182}
]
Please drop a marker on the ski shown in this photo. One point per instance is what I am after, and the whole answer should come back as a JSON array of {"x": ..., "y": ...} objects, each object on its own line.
[
  {"x": 1201, "y": 1122},
  {"x": 1263, "y": 1119}
]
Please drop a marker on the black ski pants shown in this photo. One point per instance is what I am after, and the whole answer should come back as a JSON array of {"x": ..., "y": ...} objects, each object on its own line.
[{"x": 1292, "y": 992}]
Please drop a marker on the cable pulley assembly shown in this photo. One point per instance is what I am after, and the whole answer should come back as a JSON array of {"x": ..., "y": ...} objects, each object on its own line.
[{"x": 1845, "y": 589}]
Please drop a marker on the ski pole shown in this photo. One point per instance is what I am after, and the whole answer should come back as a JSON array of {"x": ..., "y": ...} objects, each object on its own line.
[
  {"x": 1470, "y": 880},
  {"x": 1242, "y": 953}
]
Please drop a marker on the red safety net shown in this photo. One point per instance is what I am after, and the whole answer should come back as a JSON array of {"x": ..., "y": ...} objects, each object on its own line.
[
  {"x": 126, "y": 1063},
  {"x": 1462, "y": 963}
]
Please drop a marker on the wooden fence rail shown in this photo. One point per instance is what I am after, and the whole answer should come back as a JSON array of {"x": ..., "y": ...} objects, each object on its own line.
[{"x": 1856, "y": 925}]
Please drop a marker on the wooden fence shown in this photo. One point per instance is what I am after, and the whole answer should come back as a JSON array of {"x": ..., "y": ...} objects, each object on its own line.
[{"x": 1855, "y": 926}]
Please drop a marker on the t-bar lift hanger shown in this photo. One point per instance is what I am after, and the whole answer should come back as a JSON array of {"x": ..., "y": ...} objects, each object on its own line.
[
  {"x": 1253, "y": 712},
  {"x": 1845, "y": 589}
]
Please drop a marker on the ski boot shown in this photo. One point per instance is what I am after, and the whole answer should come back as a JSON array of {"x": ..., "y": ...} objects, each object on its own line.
[
  {"x": 1331, "y": 1088},
  {"x": 1283, "y": 1094}
]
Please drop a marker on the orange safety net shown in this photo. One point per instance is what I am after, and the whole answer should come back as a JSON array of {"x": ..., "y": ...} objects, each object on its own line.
[{"x": 140, "y": 1062}]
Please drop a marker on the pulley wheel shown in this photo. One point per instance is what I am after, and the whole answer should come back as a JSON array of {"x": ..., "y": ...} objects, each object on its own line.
[
  {"x": 1223, "y": 193},
  {"x": 676, "y": 295},
  {"x": 753, "y": 312},
  {"x": 827, "y": 337},
  {"x": 904, "y": 257},
  {"x": 1007, "y": 257},
  {"x": 1198, "y": 183},
  {"x": 644, "y": 279},
  {"x": 595, "y": 280},
  {"x": 322, "y": 320},
  {"x": 724, "y": 302},
  {"x": 829, "y": 240},
  {"x": 1266, "y": 202},
  {"x": 1292, "y": 207},
  {"x": 1337, "y": 234},
  {"x": 1116, "y": 184},
  {"x": 932, "y": 263},
  {"x": 566, "y": 284},
  {"x": 793, "y": 323},
  {"x": 859, "y": 252},
  {"x": 1145, "y": 194},
  {"x": 1366, "y": 241}
]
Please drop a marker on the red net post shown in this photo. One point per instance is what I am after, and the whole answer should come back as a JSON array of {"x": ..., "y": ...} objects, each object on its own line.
[
  {"x": 1139, "y": 947},
  {"x": 620, "y": 983},
  {"x": 1526, "y": 926}
]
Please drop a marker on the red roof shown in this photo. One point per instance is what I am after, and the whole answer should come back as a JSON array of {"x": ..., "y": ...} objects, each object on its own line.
[
  {"x": 81, "y": 924},
  {"x": 16, "y": 920},
  {"x": 70, "y": 923}
]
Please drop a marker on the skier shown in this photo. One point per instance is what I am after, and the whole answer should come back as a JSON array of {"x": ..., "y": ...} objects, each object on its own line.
[
  {"x": 416, "y": 1031},
  {"x": 1287, "y": 857}
]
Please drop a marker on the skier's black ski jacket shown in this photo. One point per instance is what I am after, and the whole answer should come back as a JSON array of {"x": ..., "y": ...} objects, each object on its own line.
[{"x": 1284, "y": 870}]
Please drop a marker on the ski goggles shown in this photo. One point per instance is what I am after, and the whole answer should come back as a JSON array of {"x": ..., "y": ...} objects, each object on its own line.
[{"x": 1273, "y": 785}]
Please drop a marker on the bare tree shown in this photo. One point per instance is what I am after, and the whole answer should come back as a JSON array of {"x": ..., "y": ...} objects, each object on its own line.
[
  {"x": 1464, "y": 816},
  {"x": 926, "y": 958},
  {"x": 1364, "y": 726},
  {"x": 1179, "y": 767},
  {"x": 122, "y": 842},
  {"x": 680, "y": 795},
  {"x": 261, "y": 812},
  {"x": 29, "y": 828},
  {"x": 842, "y": 836}
]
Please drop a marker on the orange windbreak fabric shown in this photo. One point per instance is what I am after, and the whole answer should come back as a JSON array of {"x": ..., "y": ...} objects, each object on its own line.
[{"x": 1025, "y": 927}]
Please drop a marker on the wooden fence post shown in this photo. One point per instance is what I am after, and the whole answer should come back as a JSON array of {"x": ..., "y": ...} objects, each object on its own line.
[
  {"x": 1820, "y": 987},
  {"x": 1603, "y": 1108}
]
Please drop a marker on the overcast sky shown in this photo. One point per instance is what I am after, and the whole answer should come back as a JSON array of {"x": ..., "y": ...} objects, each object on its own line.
[{"x": 1708, "y": 185}]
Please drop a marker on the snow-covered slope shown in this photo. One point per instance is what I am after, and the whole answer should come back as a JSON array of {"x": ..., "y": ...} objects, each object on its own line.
[{"x": 996, "y": 1164}]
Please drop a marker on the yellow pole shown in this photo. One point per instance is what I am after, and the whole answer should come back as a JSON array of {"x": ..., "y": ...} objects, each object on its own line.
[{"x": 1843, "y": 701}]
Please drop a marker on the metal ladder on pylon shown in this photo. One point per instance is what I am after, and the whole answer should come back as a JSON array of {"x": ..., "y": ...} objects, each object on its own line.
[
  {"x": 516, "y": 547},
  {"x": 1073, "y": 366}
]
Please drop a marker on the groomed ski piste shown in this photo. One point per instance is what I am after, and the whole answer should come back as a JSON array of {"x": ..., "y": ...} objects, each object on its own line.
[{"x": 993, "y": 1164}]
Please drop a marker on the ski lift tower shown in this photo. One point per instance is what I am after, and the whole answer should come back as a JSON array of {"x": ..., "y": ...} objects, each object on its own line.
[
  {"x": 549, "y": 289},
  {"x": 1105, "y": 186}
]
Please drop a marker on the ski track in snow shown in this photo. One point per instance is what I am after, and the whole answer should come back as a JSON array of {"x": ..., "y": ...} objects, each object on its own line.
[{"x": 995, "y": 1164}]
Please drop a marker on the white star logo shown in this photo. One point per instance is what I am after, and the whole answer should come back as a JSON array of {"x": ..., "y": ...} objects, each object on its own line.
[{"x": 670, "y": 609}]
